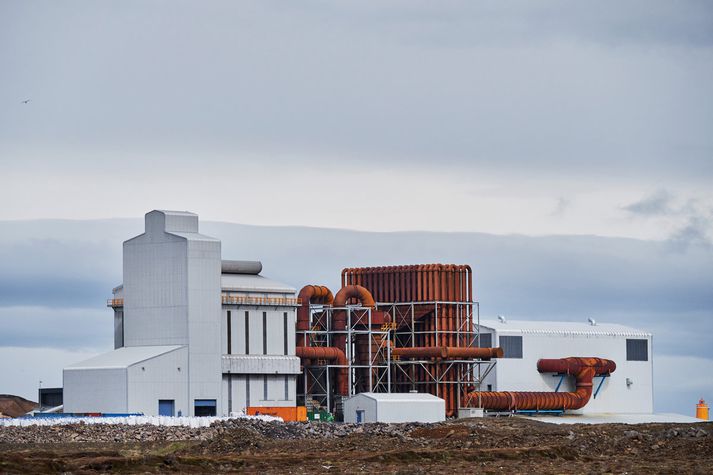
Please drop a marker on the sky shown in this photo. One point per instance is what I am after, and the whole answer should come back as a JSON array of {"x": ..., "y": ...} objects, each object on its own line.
[{"x": 532, "y": 120}]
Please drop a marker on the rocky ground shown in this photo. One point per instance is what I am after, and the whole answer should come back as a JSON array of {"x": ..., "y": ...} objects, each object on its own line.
[{"x": 484, "y": 445}]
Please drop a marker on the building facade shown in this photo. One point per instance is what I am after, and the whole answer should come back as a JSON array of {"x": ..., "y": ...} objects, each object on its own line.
[
  {"x": 629, "y": 389},
  {"x": 193, "y": 334}
]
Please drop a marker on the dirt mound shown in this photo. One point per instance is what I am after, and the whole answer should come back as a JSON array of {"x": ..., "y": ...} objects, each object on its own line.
[
  {"x": 15, "y": 406},
  {"x": 474, "y": 445}
]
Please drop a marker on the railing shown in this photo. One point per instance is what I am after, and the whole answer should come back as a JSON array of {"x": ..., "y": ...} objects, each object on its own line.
[
  {"x": 236, "y": 300},
  {"x": 270, "y": 301}
]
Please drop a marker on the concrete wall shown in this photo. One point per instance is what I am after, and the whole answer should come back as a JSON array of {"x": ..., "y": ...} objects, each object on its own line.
[
  {"x": 235, "y": 391},
  {"x": 204, "y": 310},
  {"x": 172, "y": 296},
  {"x": 95, "y": 390},
  {"x": 615, "y": 396},
  {"x": 162, "y": 377}
]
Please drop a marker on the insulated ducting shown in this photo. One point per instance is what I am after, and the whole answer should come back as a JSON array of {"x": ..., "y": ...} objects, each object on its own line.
[
  {"x": 310, "y": 294},
  {"x": 583, "y": 369},
  {"x": 241, "y": 267},
  {"x": 447, "y": 352},
  {"x": 328, "y": 353}
]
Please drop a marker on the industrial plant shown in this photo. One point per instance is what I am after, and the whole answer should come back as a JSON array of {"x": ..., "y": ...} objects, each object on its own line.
[{"x": 197, "y": 335}]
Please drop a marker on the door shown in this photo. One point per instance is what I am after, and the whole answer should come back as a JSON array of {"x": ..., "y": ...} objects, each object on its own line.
[
  {"x": 360, "y": 416},
  {"x": 166, "y": 407}
]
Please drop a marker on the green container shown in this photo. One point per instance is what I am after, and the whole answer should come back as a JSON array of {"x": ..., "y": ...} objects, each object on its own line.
[{"x": 320, "y": 416}]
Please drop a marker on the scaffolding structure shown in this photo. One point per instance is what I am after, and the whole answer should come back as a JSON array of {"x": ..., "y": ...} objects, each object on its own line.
[{"x": 371, "y": 364}]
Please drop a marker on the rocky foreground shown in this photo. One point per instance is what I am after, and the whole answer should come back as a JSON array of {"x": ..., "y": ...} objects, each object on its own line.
[{"x": 486, "y": 445}]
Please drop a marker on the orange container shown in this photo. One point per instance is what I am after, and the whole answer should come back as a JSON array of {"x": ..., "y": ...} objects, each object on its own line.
[
  {"x": 702, "y": 410},
  {"x": 288, "y": 414}
]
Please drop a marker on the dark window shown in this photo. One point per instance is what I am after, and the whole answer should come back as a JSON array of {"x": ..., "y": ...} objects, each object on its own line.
[
  {"x": 247, "y": 333},
  {"x": 264, "y": 333},
  {"x": 512, "y": 346},
  {"x": 490, "y": 387},
  {"x": 230, "y": 350},
  {"x": 637, "y": 350},
  {"x": 486, "y": 340},
  {"x": 287, "y": 388},
  {"x": 264, "y": 387},
  {"x": 284, "y": 315},
  {"x": 204, "y": 407}
]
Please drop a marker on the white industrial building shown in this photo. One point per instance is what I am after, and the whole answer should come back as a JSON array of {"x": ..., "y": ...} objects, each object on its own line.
[
  {"x": 193, "y": 335},
  {"x": 628, "y": 390},
  {"x": 394, "y": 407}
]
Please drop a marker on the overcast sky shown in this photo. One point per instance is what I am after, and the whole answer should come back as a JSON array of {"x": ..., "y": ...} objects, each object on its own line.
[
  {"x": 524, "y": 117},
  {"x": 530, "y": 118}
]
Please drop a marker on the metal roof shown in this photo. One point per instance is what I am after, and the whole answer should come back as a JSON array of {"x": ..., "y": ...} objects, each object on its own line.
[
  {"x": 561, "y": 328},
  {"x": 124, "y": 357},
  {"x": 253, "y": 283},
  {"x": 400, "y": 397}
]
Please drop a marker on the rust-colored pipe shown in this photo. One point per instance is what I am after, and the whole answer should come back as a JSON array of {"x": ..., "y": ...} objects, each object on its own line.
[
  {"x": 339, "y": 317},
  {"x": 332, "y": 354},
  {"x": 447, "y": 352},
  {"x": 310, "y": 294},
  {"x": 583, "y": 369}
]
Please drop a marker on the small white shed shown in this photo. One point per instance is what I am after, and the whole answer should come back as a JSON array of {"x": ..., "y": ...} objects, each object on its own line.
[{"x": 394, "y": 407}]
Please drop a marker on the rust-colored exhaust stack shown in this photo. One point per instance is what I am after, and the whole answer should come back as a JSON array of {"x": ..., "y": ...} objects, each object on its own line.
[{"x": 583, "y": 369}]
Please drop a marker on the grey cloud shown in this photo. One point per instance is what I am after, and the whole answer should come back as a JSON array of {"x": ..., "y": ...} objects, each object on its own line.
[
  {"x": 696, "y": 231},
  {"x": 658, "y": 203},
  {"x": 555, "y": 87},
  {"x": 628, "y": 281}
]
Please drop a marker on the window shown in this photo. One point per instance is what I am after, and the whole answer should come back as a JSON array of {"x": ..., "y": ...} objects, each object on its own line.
[
  {"x": 204, "y": 407},
  {"x": 284, "y": 315},
  {"x": 637, "y": 350},
  {"x": 247, "y": 332},
  {"x": 264, "y": 333},
  {"x": 229, "y": 335},
  {"x": 287, "y": 388},
  {"x": 512, "y": 346},
  {"x": 486, "y": 340},
  {"x": 264, "y": 388}
]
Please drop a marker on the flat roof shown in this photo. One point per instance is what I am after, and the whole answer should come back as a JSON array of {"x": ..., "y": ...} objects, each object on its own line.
[
  {"x": 561, "y": 328},
  {"x": 253, "y": 283},
  {"x": 124, "y": 357},
  {"x": 400, "y": 397}
]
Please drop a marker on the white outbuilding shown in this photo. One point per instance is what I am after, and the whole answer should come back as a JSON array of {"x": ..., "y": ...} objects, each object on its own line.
[{"x": 394, "y": 407}]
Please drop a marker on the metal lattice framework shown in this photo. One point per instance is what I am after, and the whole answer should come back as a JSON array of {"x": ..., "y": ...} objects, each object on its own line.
[{"x": 372, "y": 367}]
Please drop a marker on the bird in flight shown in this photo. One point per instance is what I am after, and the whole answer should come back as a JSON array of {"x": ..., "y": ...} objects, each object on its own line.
[{"x": 25, "y": 101}]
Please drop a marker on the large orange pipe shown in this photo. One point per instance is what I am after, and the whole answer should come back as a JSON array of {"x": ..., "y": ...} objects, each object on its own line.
[
  {"x": 329, "y": 353},
  {"x": 310, "y": 294},
  {"x": 583, "y": 369},
  {"x": 447, "y": 352},
  {"x": 339, "y": 317}
]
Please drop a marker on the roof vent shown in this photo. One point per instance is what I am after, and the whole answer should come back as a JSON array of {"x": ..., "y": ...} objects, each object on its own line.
[
  {"x": 592, "y": 321},
  {"x": 502, "y": 319}
]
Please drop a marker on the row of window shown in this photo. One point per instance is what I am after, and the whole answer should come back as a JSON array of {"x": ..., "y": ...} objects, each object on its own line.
[
  {"x": 285, "y": 329},
  {"x": 636, "y": 349}
]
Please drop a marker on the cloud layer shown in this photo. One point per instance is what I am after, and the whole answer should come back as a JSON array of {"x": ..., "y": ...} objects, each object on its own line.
[{"x": 60, "y": 284}]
